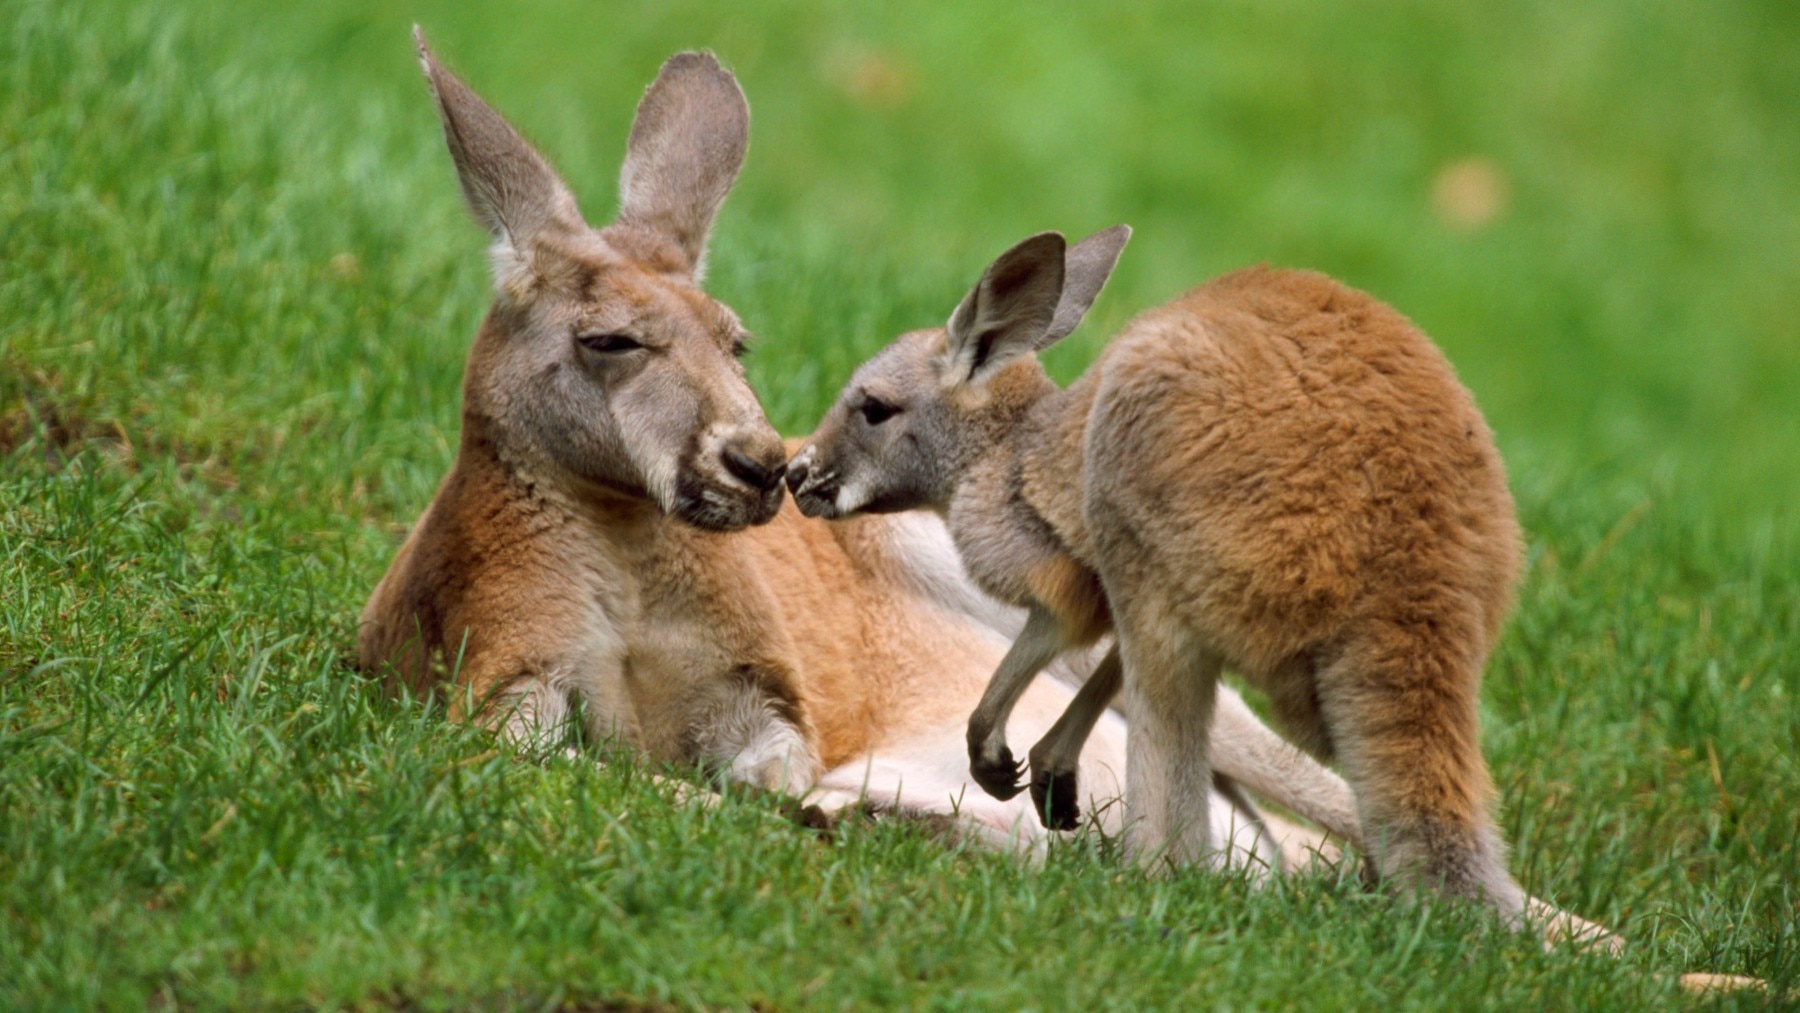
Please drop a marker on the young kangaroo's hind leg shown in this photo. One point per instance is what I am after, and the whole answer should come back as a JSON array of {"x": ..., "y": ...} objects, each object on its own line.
[
  {"x": 1170, "y": 684},
  {"x": 1403, "y": 718},
  {"x": 1056, "y": 756}
]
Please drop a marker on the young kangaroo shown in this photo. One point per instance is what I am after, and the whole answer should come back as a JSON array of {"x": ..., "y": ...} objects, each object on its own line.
[{"x": 1274, "y": 473}]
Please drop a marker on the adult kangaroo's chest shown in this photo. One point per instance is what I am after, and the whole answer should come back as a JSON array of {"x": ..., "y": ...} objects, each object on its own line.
[{"x": 705, "y": 660}]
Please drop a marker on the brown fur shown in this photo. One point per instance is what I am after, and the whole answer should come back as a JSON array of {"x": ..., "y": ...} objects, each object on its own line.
[
  {"x": 515, "y": 586},
  {"x": 1325, "y": 509},
  {"x": 1073, "y": 592}
]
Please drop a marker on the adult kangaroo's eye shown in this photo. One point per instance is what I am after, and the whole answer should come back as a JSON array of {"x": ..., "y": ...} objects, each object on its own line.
[
  {"x": 609, "y": 343},
  {"x": 876, "y": 411}
]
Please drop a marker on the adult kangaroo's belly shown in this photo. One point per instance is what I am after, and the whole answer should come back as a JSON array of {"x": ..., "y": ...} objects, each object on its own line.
[
  {"x": 888, "y": 633},
  {"x": 831, "y": 618}
]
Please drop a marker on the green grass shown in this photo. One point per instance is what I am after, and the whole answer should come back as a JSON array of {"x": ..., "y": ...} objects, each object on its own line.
[{"x": 236, "y": 286}]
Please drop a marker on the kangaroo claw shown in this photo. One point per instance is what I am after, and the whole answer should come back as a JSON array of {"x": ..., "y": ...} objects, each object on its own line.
[{"x": 1000, "y": 776}]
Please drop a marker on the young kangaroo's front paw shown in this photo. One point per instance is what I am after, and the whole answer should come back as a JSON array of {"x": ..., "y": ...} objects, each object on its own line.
[
  {"x": 998, "y": 773},
  {"x": 1053, "y": 798}
]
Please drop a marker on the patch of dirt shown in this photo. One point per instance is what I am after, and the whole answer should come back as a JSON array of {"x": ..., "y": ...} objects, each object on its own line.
[
  {"x": 1471, "y": 193},
  {"x": 35, "y": 409}
]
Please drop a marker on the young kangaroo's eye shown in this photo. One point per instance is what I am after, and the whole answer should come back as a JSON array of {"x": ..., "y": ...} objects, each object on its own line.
[
  {"x": 609, "y": 343},
  {"x": 740, "y": 348},
  {"x": 876, "y": 411}
]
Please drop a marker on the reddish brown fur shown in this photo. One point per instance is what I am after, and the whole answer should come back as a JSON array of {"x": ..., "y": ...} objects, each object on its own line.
[
  {"x": 1320, "y": 458},
  {"x": 1073, "y": 592},
  {"x": 605, "y": 424},
  {"x": 504, "y": 580},
  {"x": 1287, "y": 472}
]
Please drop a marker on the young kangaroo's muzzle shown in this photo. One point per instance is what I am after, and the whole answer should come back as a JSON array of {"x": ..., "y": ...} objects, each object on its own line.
[{"x": 815, "y": 490}]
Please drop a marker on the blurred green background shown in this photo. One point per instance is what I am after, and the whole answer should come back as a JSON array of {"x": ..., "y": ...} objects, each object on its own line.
[
  {"x": 237, "y": 285},
  {"x": 1592, "y": 208}
]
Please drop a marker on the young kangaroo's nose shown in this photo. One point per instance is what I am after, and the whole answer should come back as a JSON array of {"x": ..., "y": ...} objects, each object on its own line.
[
  {"x": 761, "y": 477},
  {"x": 796, "y": 475}
]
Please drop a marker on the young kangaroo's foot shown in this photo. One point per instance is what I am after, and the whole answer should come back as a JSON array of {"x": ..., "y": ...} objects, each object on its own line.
[
  {"x": 1168, "y": 779},
  {"x": 1557, "y": 926}
]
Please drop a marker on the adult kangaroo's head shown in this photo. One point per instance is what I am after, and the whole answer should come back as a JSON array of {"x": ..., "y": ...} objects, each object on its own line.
[{"x": 602, "y": 366}]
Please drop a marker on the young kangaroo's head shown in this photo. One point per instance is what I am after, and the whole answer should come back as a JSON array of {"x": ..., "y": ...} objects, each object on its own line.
[
  {"x": 914, "y": 417},
  {"x": 602, "y": 367}
]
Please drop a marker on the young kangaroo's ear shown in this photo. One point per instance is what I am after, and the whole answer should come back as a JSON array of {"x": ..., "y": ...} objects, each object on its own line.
[
  {"x": 686, "y": 147},
  {"x": 510, "y": 187},
  {"x": 1085, "y": 270},
  {"x": 1007, "y": 312}
]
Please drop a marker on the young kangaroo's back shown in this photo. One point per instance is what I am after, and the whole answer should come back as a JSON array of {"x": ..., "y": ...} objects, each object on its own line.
[
  {"x": 1284, "y": 474},
  {"x": 1307, "y": 463}
]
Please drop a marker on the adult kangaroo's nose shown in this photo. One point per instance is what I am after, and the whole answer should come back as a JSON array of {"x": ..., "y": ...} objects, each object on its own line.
[{"x": 762, "y": 477}]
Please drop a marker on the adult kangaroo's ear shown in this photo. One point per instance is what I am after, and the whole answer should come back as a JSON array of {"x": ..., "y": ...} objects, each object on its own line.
[
  {"x": 1085, "y": 269},
  {"x": 687, "y": 145},
  {"x": 511, "y": 189},
  {"x": 1007, "y": 312}
]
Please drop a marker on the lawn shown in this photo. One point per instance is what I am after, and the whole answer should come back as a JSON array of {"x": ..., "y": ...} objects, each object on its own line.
[{"x": 237, "y": 284}]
